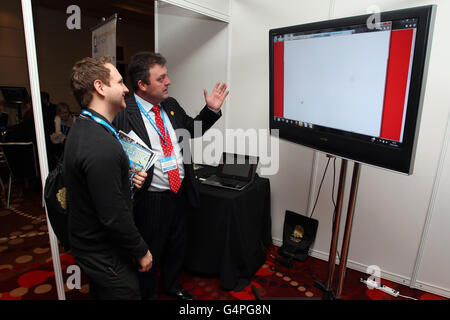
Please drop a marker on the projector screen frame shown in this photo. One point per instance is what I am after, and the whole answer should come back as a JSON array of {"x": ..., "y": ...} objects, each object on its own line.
[{"x": 350, "y": 145}]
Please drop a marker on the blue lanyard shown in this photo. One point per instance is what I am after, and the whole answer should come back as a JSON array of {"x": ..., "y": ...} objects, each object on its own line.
[
  {"x": 108, "y": 126},
  {"x": 152, "y": 122},
  {"x": 65, "y": 126},
  {"x": 102, "y": 122},
  {"x": 64, "y": 129}
]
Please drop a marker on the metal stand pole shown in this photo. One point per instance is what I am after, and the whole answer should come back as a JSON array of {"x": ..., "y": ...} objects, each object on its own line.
[
  {"x": 334, "y": 239},
  {"x": 327, "y": 288},
  {"x": 348, "y": 228}
]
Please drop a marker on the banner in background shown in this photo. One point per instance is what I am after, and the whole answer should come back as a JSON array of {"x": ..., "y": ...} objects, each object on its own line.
[{"x": 104, "y": 39}]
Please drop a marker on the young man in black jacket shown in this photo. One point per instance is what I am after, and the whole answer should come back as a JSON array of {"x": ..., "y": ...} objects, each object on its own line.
[{"x": 105, "y": 241}]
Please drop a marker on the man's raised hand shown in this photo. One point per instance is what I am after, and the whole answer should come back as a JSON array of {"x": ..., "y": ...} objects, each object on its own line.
[{"x": 218, "y": 95}]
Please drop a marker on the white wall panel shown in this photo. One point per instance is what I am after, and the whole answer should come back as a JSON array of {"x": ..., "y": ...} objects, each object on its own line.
[
  {"x": 217, "y": 9},
  {"x": 391, "y": 208},
  {"x": 196, "y": 49},
  {"x": 249, "y": 102},
  {"x": 434, "y": 261}
]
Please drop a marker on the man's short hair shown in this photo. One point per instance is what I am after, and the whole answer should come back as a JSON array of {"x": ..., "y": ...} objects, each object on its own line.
[
  {"x": 84, "y": 74},
  {"x": 139, "y": 67}
]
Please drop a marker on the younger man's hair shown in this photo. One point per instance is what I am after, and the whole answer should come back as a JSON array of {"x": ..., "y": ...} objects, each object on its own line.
[{"x": 84, "y": 74}]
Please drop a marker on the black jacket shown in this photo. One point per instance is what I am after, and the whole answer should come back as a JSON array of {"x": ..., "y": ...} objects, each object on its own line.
[
  {"x": 131, "y": 119},
  {"x": 98, "y": 191}
]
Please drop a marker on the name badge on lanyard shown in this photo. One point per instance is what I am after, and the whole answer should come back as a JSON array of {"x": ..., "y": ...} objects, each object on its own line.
[{"x": 168, "y": 164}]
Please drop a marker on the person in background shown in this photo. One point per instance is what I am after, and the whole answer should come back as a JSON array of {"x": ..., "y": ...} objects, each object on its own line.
[
  {"x": 63, "y": 122},
  {"x": 48, "y": 115},
  {"x": 23, "y": 131},
  {"x": 3, "y": 115}
]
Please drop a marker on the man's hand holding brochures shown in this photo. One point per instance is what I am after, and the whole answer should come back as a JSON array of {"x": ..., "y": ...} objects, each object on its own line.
[{"x": 140, "y": 155}]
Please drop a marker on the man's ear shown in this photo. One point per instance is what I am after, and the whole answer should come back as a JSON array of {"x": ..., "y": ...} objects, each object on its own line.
[
  {"x": 142, "y": 85},
  {"x": 98, "y": 86}
]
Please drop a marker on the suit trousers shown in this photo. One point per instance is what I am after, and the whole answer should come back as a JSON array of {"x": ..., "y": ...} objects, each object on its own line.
[
  {"x": 161, "y": 219},
  {"x": 112, "y": 275}
]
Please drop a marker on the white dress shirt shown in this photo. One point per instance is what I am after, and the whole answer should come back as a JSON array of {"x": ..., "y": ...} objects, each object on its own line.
[{"x": 160, "y": 180}]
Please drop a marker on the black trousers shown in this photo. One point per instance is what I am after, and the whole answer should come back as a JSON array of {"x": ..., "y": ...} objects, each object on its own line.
[
  {"x": 161, "y": 219},
  {"x": 112, "y": 275}
]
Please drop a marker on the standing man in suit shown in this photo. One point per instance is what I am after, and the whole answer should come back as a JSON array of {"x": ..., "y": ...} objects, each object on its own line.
[
  {"x": 105, "y": 241},
  {"x": 48, "y": 114},
  {"x": 170, "y": 187}
]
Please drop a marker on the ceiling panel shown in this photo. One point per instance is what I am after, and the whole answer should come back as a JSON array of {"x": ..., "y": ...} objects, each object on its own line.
[{"x": 136, "y": 12}]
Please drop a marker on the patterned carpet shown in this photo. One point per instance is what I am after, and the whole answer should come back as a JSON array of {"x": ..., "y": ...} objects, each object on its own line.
[{"x": 26, "y": 270}]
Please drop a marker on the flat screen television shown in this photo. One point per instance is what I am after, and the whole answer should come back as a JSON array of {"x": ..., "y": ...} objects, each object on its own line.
[{"x": 353, "y": 87}]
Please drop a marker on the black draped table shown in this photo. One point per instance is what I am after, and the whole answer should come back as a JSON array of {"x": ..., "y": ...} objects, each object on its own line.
[{"x": 228, "y": 233}]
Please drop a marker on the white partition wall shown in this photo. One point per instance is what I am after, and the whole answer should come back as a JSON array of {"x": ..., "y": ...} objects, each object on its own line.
[
  {"x": 249, "y": 104},
  {"x": 401, "y": 221},
  {"x": 39, "y": 130},
  {"x": 433, "y": 261},
  {"x": 218, "y": 9},
  {"x": 391, "y": 209},
  {"x": 196, "y": 49},
  {"x": 394, "y": 229}
]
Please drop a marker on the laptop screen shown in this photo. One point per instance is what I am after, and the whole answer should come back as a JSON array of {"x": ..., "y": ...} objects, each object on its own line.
[
  {"x": 237, "y": 166},
  {"x": 238, "y": 170}
]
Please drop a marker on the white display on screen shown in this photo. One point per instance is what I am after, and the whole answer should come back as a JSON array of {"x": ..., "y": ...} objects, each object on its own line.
[{"x": 337, "y": 81}]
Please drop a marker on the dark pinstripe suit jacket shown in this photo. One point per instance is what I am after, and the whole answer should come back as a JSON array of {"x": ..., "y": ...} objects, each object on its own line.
[{"x": 131, "y": 119}]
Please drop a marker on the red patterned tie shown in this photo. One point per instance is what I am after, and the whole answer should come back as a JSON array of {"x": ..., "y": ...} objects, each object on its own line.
[{"x": 174, "y": 175}]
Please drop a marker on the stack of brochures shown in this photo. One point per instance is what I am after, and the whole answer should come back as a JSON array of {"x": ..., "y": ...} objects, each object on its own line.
[{"x": 141, "y": 157}]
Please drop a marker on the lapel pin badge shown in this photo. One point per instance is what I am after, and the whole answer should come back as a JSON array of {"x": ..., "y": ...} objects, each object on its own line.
[{"x": 172, "y": 113}]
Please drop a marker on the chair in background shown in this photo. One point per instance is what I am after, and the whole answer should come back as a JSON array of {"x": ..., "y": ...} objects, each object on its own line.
[
  {"x": 3, "y": 120},
  {"x": 21, "y": 160},
  {"x": 3, "y": 164}
]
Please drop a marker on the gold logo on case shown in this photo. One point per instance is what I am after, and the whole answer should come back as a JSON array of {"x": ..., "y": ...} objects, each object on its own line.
[
  {"x": 298, "y": 233},
  {"x": 61, "y": 197}
]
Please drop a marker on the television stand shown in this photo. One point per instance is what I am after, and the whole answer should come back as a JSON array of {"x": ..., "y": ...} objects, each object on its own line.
[{"x": 327, "y": 288}]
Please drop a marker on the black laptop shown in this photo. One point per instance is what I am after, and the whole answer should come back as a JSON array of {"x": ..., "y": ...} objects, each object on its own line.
[{"x": 234, "y": 172}]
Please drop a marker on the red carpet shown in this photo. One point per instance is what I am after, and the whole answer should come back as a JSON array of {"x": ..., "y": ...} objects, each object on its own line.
[
  {"x": 276, "y": 281},
  {"x": 26, "y": 271}
]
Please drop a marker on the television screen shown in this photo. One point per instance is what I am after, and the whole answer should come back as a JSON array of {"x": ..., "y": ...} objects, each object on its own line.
[{"x": 353, "y": 87}]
